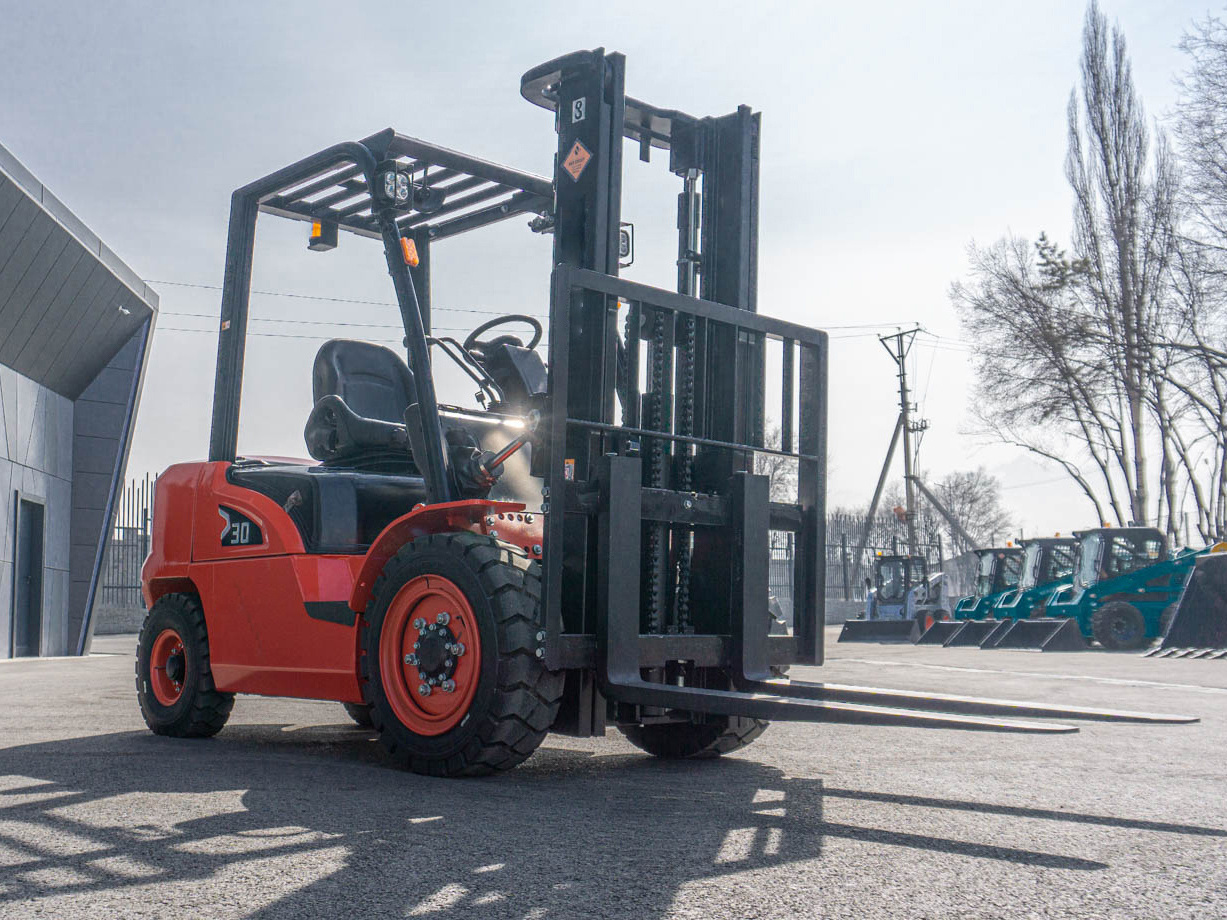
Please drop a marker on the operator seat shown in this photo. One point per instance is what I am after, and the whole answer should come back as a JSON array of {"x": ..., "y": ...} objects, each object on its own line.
[{"x": 361, "y": 392}]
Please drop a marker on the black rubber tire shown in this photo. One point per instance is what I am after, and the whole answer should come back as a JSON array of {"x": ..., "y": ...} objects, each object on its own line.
[
  {"x": 360, "y": 713},
  {"x": 516, "y": 699},
  {"x": 202, "y": 710},
  {"x": 683, "y": 740},
  {"x": 1119, "y": 626}
]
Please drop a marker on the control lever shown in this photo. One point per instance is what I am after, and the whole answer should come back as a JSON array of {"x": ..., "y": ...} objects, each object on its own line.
[
  {"x": 476, "y": 471},
  {"x": 492, "y": 460}
]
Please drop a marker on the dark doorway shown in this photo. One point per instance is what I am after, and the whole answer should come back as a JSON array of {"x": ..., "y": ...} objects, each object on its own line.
[{"x": 28, "y": 578}]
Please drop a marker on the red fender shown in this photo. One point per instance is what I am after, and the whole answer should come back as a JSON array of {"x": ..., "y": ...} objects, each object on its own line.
[{"x": 508, "y": 521}]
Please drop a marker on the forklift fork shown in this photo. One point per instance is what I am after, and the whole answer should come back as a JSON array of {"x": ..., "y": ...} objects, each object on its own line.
[{"x": 758, "y": 694}]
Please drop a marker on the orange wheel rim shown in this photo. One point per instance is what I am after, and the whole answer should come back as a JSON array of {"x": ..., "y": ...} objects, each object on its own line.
[
  {"x": 430, "y": 655},
  {"x": 167, "y": 667}
]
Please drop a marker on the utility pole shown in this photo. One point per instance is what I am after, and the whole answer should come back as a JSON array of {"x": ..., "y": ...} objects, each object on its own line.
[
  {"x": 902, "y": 345},
  {"x": 903, "y": 426}
]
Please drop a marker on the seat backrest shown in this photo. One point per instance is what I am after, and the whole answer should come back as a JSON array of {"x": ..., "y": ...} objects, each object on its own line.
[{"x": 373, "y": 380}]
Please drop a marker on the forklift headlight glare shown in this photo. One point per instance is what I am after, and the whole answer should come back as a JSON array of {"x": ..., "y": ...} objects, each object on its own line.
[{"x": 389, "y": 185}]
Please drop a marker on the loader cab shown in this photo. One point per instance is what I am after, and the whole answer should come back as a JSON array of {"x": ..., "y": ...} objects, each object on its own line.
[
  {"x": 1047, "y": 566},
  {"x": 998, "y": 570},
  {"x": 1047, "y": 560},
  {"x": 894, "y": 576},
  {"x": 893, "y": 587},
  {"x": 1107, "y": 553}
]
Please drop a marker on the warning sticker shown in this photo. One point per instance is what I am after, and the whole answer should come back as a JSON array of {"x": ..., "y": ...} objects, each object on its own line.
[{"x": 576, "y": 160}]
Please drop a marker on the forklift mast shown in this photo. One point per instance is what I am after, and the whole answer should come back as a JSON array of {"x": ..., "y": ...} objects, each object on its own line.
[{"x": 659, "y": 400}]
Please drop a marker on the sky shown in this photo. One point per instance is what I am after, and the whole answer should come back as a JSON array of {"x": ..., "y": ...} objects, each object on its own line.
[{"x": 893, "y": 136}]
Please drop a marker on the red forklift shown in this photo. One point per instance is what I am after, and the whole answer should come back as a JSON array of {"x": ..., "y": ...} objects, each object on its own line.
[{"x": 386, "y": 575}]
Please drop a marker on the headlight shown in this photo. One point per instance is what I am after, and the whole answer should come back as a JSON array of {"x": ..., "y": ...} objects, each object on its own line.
[{"x": 393, "y": 186}]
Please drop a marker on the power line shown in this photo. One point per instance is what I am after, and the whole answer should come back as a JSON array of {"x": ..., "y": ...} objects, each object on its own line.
[{"x": 320, "y": 297}]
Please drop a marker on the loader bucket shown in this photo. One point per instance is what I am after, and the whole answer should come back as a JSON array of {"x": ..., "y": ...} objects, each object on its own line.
[
  {"x": 1201, "y": 618},
  {"x": 879, "y": 631},
  {"x": 941, "y": 632},
  {"x": 1044, "y": 634},
  {"x": 1002, "y": 627},
  {"x": 973, "y": 632}
]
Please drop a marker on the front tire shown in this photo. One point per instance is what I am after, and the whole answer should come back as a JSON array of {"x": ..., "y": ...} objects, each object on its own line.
[
  {"x": 174, "y": 683},
  {"x": 359, "y": 713},
  {"x": 695, "y": 740},
  {"x": 713, "y": 737},
  {"x": 1119, "y": 626},
  {"x": 450, "y": 656}
]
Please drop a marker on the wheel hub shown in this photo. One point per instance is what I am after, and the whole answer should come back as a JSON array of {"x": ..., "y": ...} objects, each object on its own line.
[
  {"x": 167, "y": 667},
  {"x": 435, "y": 657},
  {"x": 430, "y": 655}
]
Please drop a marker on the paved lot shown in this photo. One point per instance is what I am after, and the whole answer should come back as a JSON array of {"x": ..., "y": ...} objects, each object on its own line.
[{"x": 292, "y": 812}]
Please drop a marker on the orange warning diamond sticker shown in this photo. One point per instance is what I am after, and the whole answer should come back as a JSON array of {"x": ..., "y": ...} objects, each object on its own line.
[{"x": 576, "y": 160}]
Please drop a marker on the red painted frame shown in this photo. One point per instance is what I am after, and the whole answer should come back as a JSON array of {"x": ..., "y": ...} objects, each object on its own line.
[{"x": 261, "y": 639}]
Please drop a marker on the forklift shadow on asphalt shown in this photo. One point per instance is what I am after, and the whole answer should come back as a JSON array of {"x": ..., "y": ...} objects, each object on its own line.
[{"x": 300, "y": 817}]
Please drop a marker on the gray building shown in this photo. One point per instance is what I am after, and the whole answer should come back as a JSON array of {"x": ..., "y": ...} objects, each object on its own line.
[{"x": 75, "y": 326}]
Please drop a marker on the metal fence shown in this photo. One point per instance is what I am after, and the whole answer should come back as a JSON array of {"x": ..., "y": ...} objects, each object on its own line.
[
  {"x": 127, "y": 547},
  {"x": 120, "y": 585}
]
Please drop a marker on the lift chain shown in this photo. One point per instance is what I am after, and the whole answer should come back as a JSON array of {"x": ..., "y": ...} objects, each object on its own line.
[
  {"x": 686, "y": 362},
  {"x": 657, "y": 535}
]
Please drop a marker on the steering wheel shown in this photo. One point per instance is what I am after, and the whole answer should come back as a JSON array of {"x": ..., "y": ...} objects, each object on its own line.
[{"x": 482, "y": 346}]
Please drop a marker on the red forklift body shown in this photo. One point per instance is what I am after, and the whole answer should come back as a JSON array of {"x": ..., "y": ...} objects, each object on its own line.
[{"x": 282, "y": 621}]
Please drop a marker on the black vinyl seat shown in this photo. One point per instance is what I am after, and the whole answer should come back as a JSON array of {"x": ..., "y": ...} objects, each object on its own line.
[{"x": 361, "y": 392}]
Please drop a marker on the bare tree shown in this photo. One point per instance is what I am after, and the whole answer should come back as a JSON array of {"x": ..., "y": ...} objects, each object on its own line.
[
  {"x": 973, "y": 498},
  {"x": 1065, "y": 364},
  {"x": 781, "y": 472}
]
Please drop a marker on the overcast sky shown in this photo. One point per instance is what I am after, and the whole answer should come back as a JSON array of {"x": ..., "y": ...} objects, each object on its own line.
[{"x": 893, "y": 135}]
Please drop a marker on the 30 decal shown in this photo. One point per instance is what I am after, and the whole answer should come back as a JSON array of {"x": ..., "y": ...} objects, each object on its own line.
[{"x": 239, "y": 529}]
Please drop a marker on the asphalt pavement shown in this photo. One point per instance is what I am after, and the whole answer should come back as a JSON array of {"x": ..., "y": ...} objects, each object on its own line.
[{"x": 294, "y": 812}]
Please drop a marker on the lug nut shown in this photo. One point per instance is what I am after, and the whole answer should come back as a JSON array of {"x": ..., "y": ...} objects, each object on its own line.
[
  {"x": 447, "y": 686},
  {"x": 536, "y": 549},
  {"x": 411, "y": 659},
  {"x": 419, "y": 624},
  {"x": 443, "y": 618},
  {"x": 431, "y": 681},
  {"x": 423, "y": 690},
  {"x": 458, "y": 649},
  {"x": 448, "y": 663},
  {"x": 528, "y": 518},
  {"x": 416, "y": 646}
]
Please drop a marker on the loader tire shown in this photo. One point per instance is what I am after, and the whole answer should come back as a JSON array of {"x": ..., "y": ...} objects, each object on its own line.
[
  {"x": 360, "y": 713},
  {"x": 680, "y": 740},
  {"x": 174, "y": 681},
  {"x": 451, "y": 656},
  {"x": 1119, "y": 626}
]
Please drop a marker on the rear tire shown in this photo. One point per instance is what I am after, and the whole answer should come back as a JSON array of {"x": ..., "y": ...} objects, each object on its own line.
[
  {"x": 1119, "y": 626},
  {"x": 502, "y": 700},
  {"x": 360, "y": 713},
  {"x": 174, "y": 683}
]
